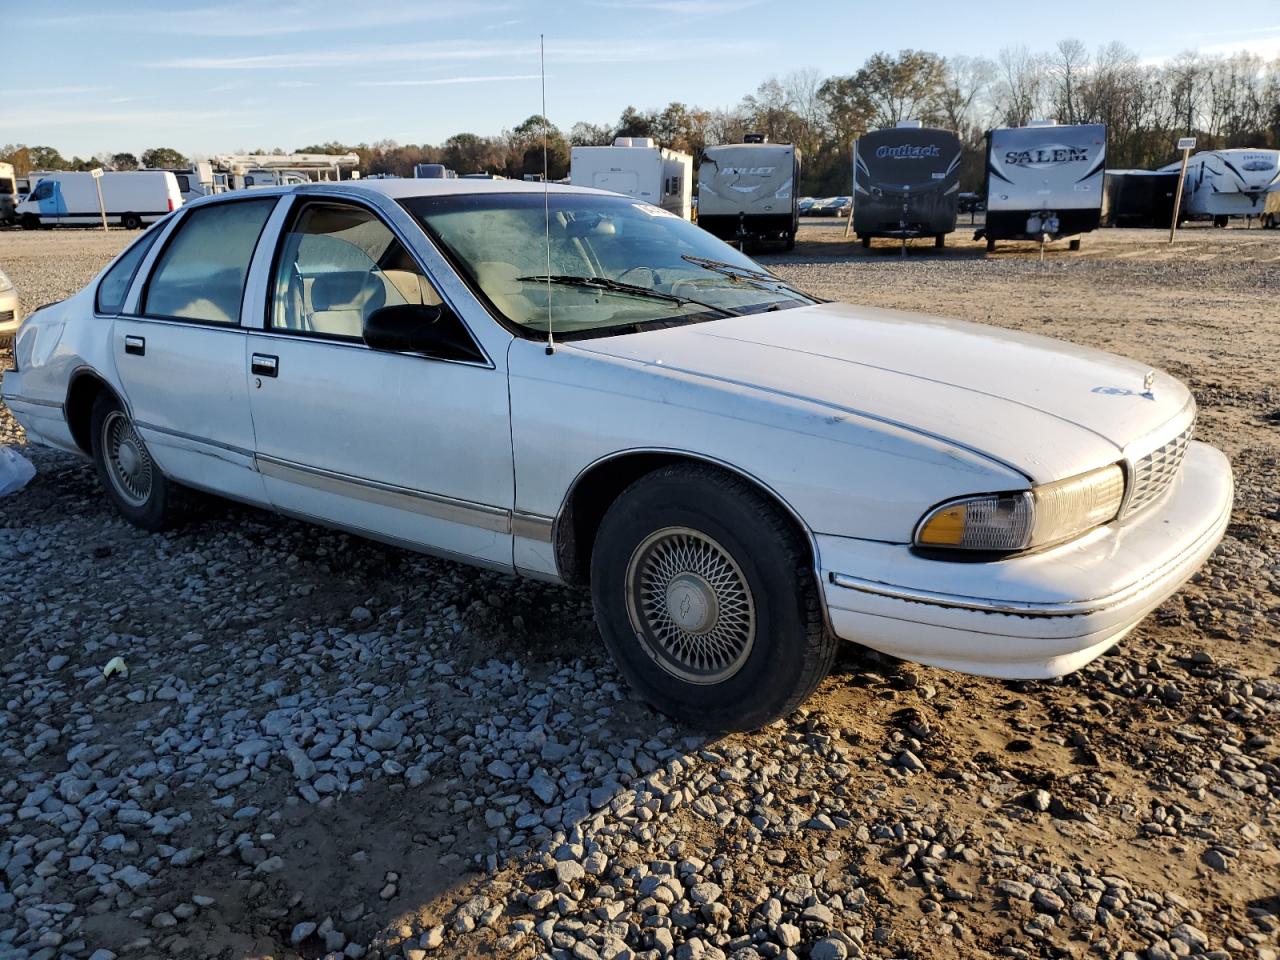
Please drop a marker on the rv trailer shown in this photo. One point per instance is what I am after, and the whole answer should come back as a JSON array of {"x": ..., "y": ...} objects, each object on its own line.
[
  {"x": 638, "y": 167},
  {"x": 1139, "y": 198},
  {"x": 1228, "y": 183},
  {"x": 433, "y": 171},
  {"x": 906, "y": 183},
  {"x": 747, "y": 191},
  {"x": 8, "y": 193},
  {"x": 1044, "y": 182}
]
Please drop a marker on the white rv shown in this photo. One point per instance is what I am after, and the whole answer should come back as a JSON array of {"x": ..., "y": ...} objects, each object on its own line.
[
  {"x": 131, "y": 199},
  {"x": 639, "y": 168},
  {"x": 747, "y": 191},
  {"x": 1228, "y": 183},
  {"x": 1044, "y": 181},
  {"x": 8, "y": 193},
  {"x": 194, "y": 181}
]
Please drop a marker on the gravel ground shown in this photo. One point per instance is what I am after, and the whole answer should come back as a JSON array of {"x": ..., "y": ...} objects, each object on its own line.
[{"x": 327, "y": 747}]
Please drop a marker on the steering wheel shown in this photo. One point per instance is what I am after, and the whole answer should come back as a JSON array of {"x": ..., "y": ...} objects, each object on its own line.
[{"x": 644, "y": 277}]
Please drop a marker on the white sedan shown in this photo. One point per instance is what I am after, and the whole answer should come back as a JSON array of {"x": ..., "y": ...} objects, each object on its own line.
[{"x": 579, "y": 387}]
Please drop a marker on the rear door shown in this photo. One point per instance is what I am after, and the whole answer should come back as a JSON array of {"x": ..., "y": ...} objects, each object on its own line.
[
  {"x": 181, "y": 354},
  {"x": 409, "y": 448}
]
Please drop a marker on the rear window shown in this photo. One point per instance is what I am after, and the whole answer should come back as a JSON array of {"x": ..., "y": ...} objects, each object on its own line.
[
  {"x": 201, "y": 273},
  {"x": 115, "y": 283}
]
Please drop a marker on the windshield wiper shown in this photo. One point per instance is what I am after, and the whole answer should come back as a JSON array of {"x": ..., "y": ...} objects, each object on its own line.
[
  {"x": 618, "y": 286},
  {"x": 744, "y": 274}
]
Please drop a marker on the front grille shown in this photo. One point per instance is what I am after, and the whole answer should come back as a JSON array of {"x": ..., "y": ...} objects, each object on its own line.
[
  {"x": 6, "y": 316},
  {"x": 1153, "y": 473}
]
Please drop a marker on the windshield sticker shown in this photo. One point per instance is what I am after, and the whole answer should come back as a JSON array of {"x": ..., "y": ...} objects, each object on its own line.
[{"x": 652, "y": 211}]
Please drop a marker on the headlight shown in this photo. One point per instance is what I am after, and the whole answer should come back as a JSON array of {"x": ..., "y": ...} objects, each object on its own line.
[
  {"x": 1038, "y": 517},
  {"x": 5, "y": 283}
]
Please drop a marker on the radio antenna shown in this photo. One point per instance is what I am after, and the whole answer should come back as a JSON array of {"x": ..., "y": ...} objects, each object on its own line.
[{"x": 546, "y": 188}]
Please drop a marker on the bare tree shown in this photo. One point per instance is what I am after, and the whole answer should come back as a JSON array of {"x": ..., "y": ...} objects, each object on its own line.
[
  {"x": 1068, "y": 67},
  {"x": 1020, "y": 89}
]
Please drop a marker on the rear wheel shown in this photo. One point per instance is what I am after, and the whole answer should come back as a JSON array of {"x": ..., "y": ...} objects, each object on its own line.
[
  {"x": 134, "y": 484},
  {"x": 791, "y": 241},
  {"x": 1219, "y": 221},
  {"x": 707, "y": 600},
  {"x": 939, "y": 240},
  {"x": 1074, "y": 244},
  {"x": 866, "y": 243},
  {"x": 991, "y": 244},
  {"x": 131, "y": 221}
]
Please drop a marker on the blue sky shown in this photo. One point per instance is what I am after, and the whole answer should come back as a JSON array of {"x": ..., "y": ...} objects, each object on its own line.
[{"x": 216, "y": 78}]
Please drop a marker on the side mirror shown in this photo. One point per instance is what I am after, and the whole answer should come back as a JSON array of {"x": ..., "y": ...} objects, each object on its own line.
[{"x": 418, "y": 328}]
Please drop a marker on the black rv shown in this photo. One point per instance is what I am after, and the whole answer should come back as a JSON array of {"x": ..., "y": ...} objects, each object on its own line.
[
  {"x": 1139, "y": 198},
  {"x": 906, "y": 183}
]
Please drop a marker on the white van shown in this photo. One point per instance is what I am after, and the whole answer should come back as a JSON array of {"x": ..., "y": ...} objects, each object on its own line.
[{"x": 131, "y": 199}]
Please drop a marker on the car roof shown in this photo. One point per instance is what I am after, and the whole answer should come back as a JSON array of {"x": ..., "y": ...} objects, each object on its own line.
[{"x": 399, "y": 189}]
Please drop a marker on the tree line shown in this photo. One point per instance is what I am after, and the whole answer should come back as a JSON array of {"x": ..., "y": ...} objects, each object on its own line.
[{"x": 1224, "y": 101}]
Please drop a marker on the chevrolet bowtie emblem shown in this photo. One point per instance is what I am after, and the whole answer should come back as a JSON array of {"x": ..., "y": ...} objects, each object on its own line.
[{"x": 1148, "y": 382}]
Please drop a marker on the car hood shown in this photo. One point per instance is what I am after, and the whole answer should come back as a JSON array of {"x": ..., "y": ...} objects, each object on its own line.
[{"x": 1047, "y": 408}]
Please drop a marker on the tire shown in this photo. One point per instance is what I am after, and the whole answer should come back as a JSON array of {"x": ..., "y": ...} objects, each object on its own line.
[
  {"x": 866, "y": 243},
  {"x": 1074, "y": 244},
  {"x": 791, "y": 242},
  {"x": 655, "y": 538},
  {"x": 133, "y": 482},
  {"x": 1220, "y": 222},
  {"x": 30, "y": 221},
  {"x": 131, "y": 221},
  {"x": 939, "y": 241},
  {"x": 991, "y": 244}
]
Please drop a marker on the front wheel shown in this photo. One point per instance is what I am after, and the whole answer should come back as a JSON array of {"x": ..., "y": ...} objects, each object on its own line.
[
  {"x": 707, "y": 600},
  {"x": 131, "y": 221},
  {"x": 30, "y": 221},
  {"x": 134, "y": 484}
]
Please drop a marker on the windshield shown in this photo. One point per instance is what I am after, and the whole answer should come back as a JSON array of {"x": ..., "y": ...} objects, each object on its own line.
[{"x": 614, "y": 265}]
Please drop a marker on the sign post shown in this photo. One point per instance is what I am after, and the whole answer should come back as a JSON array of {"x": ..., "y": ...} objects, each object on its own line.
[
  {"x": 1186, "y": 145},
  {"x": 96, "y": 173}
]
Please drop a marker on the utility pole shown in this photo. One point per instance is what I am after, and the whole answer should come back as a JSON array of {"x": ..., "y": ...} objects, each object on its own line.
[{"x": 96, "y": 173}]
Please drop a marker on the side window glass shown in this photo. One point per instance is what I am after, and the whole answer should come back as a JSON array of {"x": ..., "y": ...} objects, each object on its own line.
[
  {"x": 201, "y": 273},
  {"x": 337, "y": 265},
  {"x": 115, "y": 283},
  {"x": 43, "y": 191}
]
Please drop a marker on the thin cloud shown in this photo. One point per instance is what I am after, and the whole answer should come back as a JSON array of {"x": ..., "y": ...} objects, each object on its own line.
[
  {"x": 246, "y": 20},
  {"x": 680, "y": 8},
  {"x": 112, "y": 118},
  {"x": 563, "y": 52},
  {"x": 447, "y": 81},
  {"x": 64, "y": 91}
]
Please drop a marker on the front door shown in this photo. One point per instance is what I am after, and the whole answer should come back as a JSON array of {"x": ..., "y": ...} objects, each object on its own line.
[
  {"x": 181, "y": 356},
  {"x": 406, "y": 447}
]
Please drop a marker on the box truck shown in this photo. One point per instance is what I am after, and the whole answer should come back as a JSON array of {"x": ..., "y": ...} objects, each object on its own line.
[
  {"x": 1044, "y": 182},
  {"x": 1228, "y": 183},
  {"x": 638, "y": 167},
  {"x": 906, "y": 183},
  {"x": 747, "y": 191},
  {"x": 131, "y": 199}
]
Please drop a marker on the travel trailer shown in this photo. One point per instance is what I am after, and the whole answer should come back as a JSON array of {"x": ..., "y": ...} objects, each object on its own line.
[
  {"x": 194, "y": 181},
  {"x": 747, "y": 191},
  {"x": 433, "y": 171},
  {"x": 1139, "y": 198},
  {"x": 906, "y": 183},
  {"x": 8, "y": 193},
  {"x": 638, "y": 167},
  {"x": 1229, "y": 183},
  {"x": 1044, "y": 182},
  {"x": 248, "y": 170},
  {"x": 71, "y": 199}
]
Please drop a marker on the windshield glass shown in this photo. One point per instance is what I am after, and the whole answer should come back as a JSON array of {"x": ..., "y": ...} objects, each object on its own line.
[{"x": 616, "y": 265}]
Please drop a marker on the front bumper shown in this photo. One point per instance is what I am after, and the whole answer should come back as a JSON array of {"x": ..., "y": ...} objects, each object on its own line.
[{"x": 1034, "y": 616}]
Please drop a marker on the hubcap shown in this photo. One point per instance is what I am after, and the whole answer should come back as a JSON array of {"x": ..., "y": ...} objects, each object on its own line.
[
  {"x": 690, "y": 605},
  {"x": 128, "y": 463}
]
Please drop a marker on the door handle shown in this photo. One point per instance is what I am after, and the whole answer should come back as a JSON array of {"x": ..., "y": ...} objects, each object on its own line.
[
  {"x": 135, "y": 345},
  {"x": 264, "y": 365}
]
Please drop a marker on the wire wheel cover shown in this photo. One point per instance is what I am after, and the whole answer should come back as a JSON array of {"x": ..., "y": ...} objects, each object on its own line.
[
  {"x": 128, "y": 463},
  {"x": 690, "y": 605}
]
